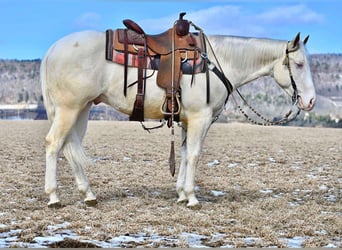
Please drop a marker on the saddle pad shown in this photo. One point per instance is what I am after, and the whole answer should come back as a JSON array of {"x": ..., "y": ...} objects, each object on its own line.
[{"x": 152, "y": 62}]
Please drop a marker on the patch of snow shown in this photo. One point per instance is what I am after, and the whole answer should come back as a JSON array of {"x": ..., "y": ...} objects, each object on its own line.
[
  {"x": 59, "y": 226},
  {"x": 331, "y": 198},
  {"x": 311, "y": 176},
  {"x": 7, "y": 238},
  {"x": 217, "y": 193},
  {"x": 296, "y": 167},
  {"x": 252, "y": 165},
  {"x": 121, "y": 239},
  {"x": 271, "y": 159},
  {"x": 322, "y": 232},
  {"x": 277, "y": 195},
  {"x": 213, "y": 163},
  {"x": 47, "y": 240},
  {"x": 330, "y": 245},
  {"x": 102, "y": 158},
  {"x": 266, "y": 191},
  {"x": 295, "y": 242},
  {"x": 293, "y": 204},
  {"x": 233, "y": 165},
  {"x": 250, "y": 241},
  {"x": 193, "y": 240}
]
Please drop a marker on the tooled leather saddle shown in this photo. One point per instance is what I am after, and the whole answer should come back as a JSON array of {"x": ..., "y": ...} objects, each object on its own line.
[{"x": 176, "y": 51}]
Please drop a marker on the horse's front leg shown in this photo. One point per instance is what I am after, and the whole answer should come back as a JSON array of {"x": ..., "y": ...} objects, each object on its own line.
[
  {"x": 196, "y": 132},
  {"x": 182, "y": 169}
]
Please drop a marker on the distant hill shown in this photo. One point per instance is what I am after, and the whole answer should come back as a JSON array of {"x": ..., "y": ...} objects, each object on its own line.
[{"x": 19, "y": 83}]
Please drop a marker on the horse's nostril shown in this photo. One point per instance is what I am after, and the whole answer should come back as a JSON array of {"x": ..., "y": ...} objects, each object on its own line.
[{"x": 312, "y": 101}]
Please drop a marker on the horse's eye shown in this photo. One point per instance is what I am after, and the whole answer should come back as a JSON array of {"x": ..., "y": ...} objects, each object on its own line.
[{"x": 299, "y": 65}]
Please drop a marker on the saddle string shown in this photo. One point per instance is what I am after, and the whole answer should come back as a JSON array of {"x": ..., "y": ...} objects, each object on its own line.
[{"x": 172, "y": 160}]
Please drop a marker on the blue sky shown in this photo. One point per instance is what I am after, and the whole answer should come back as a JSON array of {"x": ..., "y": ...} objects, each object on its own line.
[{"x": 29, "y": 27}]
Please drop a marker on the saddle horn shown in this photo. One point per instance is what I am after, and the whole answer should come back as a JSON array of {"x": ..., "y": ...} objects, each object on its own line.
[{"x": 182, "y": 25}]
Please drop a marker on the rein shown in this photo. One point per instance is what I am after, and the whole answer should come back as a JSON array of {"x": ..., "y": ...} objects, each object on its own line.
[{"x": 266, "y": 121}]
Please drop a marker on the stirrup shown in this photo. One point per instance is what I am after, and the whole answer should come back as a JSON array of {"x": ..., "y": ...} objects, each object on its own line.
[{"x": 164, "y": 109}]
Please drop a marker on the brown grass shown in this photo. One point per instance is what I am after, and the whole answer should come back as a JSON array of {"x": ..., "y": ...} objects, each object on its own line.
[{"x": 277, "y": 182}]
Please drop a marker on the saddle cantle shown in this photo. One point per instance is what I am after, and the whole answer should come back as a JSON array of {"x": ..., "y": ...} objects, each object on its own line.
[{"x": 176, "y": 50}]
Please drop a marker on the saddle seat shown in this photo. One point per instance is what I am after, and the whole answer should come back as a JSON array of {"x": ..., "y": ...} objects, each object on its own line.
[{"x": 161, "y": 43}]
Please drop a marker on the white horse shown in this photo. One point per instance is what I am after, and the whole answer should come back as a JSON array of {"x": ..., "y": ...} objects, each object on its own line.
[{"x": 75, "y": 74}]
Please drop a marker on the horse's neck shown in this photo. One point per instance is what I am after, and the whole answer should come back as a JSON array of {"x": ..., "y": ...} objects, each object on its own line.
[{"x": 246, "y": 59}]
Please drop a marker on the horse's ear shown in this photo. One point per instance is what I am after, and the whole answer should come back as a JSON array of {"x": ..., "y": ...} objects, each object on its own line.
[
  {"x": 296, "y": 40},
  {"x": 306, "y": 39}
]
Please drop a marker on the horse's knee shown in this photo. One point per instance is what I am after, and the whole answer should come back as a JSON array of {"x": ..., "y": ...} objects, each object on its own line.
[{"x": 48, "y": 141}]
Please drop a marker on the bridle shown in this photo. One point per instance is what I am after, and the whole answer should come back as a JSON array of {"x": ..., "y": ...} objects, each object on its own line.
[{"x": 286, "y": 62}]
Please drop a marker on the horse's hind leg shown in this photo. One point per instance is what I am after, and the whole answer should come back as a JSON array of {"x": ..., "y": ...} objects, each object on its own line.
[
  {"x": 63, "y": 121},
  {"x": 74, "y": 152}
]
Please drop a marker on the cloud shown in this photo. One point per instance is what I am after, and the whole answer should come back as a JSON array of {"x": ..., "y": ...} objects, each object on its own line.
[
  {"x": 240, "y": 21},
  {"x": 299, "y": 14},
  {"x": 214, "y": 18},
  {"x": 88, "y": 20}
]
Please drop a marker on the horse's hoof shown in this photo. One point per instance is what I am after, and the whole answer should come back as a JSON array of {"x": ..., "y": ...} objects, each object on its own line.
[
  {"x": 57, "y": 204},
  {"x": 197, "y": 206},
  {"x": 181, "y": 201},
  {"x": 91, "y": 203},
  {"x": 194, "y": 204}
]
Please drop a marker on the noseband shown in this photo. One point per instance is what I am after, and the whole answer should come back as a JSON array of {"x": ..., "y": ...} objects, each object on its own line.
[{"x": 293, "y": 83}]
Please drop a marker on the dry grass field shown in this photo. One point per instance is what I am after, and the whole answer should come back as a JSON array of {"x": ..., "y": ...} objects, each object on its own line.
[{"x": 258, "y": 187}]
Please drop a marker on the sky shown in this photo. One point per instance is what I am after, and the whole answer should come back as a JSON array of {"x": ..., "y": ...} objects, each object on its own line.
[{"x": 29, "y": 27}]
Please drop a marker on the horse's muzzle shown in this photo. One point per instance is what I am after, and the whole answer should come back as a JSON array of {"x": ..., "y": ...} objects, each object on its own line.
[{"x": 307, "y": 107}]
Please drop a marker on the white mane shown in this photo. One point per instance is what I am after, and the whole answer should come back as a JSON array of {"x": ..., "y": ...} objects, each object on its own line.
[{"x": 247, "y": 53}]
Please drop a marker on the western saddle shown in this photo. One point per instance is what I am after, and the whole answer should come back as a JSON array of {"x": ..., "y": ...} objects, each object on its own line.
[{"x": 173, "y": 53}]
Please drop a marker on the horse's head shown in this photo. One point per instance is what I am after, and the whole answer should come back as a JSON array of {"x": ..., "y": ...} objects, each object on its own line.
[{"x": 292, "y": 72}]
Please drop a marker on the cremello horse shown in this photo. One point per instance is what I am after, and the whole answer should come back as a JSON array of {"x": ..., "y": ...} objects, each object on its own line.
[{"x": 74, "y": 74}]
